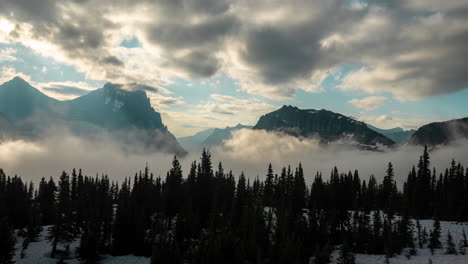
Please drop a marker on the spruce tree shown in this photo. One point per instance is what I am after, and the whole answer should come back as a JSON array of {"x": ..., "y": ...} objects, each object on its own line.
[
  {"x": 7, "y": 243},
  {"x": 173, "y": 189},
  {"x": 268, "y": 191},
  {"x": 465, "y": 241},
  {"x": 451, "y": 248},
  {"x": 322, "y": 255},
  {"x": 346, "y": 256},
  {"x": 88, "y": 247},
  {"x": 419, "y": 233},
  {"x": 299, "y": 192},
  {"x": 461, "y": 248},
  {"x": 388, "y": 191},
  {"x": 62, "y": 232},
  {"x": 434, "y": 240}
]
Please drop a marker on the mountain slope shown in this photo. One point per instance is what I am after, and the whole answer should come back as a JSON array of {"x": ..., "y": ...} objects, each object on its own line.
[
  {"x": 221, "y": 134},
  {"x": 6, "y": 128},
  {"x": 113, "y": 107},
  {"x": 19, "y": 100},
  {"x": 327, "y": 125},
  {"x": 441, "y": 133},
  {"x": 397, "y": 134},
  {"x": 195, "y": 141},
  {"x": 126, "y": 115}
]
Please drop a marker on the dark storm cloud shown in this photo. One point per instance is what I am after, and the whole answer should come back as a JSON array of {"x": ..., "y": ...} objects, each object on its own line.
[
  {"x": 281, "y": 55},
  {"x": 112, "y": 60},
  {"x": 40, "y": 10},
  {"x": 208, "y": 7},
  {"x": 79, "y": 34},
  {"x": 411, "y": 48},
  {"x": 209, "y": 33},
  {"x": 198, "y": 64}
]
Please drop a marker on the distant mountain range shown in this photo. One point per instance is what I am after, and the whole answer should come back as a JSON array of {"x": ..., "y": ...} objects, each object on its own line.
[
  {"x": 322, "y": 124},
  {"x": 397, "y": 134},
  {"x": 441, "y": 133},
  {"x": 221, "y": 134},
  {"x": 127, "y": 115},
  {"x": 209, "y": 137},
  {"x": 195, "y": 141},
  {"x": 334, "y": 127}
]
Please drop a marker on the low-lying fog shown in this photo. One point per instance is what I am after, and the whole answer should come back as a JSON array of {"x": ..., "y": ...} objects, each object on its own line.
[{"x": 248, "y": 150}]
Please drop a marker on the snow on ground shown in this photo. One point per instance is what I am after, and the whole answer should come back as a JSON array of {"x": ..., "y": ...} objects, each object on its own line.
[
  {"x": 424, "y": 254},
  {"x": 37, "y": 252}
]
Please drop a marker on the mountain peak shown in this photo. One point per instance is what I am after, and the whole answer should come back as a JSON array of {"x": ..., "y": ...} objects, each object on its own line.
[
  {"x": 441, "y": 133},
  {"x": 328, "y": 125},
  {"x": 18, "y": 81},
  {"x": 289, "y": 107}
]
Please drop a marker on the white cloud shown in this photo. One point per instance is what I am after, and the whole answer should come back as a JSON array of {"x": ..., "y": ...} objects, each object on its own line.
[
  {"x": 218, "y": 111},
  {"x": 435, "y": 5},
  {"x": 7, "y": 54},
  {"x": 270, "y": 48},
  {"x": 396, "y": 119},
  {"x": 369, "y": 103},
  {"x": 8, "y": 73}
]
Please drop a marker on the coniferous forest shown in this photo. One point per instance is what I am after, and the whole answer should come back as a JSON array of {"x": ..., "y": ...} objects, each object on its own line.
[{"x": 212, "y": 216}]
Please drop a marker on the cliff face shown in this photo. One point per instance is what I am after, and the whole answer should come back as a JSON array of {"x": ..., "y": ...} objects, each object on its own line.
[
  {"x": 326, "y": 125},
  {"x": 126, "y": 115}
]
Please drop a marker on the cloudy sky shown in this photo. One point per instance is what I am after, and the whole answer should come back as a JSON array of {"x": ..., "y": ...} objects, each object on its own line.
[{"x": 216, "y": 63}]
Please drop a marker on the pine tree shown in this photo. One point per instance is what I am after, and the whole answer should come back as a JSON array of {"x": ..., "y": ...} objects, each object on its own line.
[
  {"x": 451, "y": 248},
  {"x": 434, "y": 240},
  {"x": 173, "y": 189},
  {"x": 323, "y": 254},
  {"x": 299, "y": 192},
  {"x": 465, "y": 241},
  {"x": 88, "y": 247},
  {"x": 7, "y": 243},
  {"x": 387, "y": 259},
  {"x": 346, "y": 256},
  {"x": 424, "y": 236},
  {"x": 268, "y": 191},
  {"x": 62, "y": 232},
  {"x": 461, "y": 248},
  {"x": 419, "y": 233},
  {"x": 389, "y": 191}
]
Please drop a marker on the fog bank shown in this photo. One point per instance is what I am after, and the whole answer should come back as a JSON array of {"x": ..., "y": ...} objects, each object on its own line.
[{"x": 249, "y": 151}]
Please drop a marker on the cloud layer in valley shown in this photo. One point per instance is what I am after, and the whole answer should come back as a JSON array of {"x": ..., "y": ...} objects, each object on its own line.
[{"x": 249, "y": 151}]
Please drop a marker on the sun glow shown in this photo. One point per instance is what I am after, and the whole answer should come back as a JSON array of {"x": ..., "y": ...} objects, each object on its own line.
[{"x": 6, "y": 26}]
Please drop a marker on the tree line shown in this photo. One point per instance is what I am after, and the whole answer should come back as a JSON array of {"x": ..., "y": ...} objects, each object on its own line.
[{"x": 211, "y": 216}]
